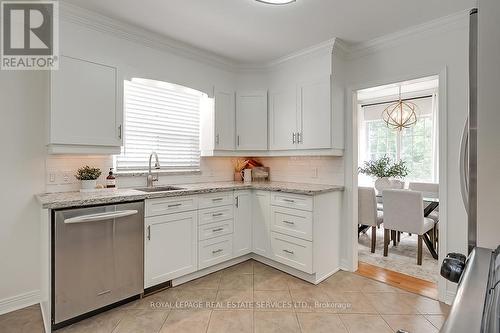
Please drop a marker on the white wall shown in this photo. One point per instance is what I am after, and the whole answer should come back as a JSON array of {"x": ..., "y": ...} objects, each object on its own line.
[
  {"x": 428, "y": 50},
  {"x": 488, "y": 159},
  {"x": 23, "y": 100}
]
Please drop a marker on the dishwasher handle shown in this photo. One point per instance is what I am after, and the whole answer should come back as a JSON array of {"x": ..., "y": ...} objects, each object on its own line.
[{"x": 101, "y": 216}]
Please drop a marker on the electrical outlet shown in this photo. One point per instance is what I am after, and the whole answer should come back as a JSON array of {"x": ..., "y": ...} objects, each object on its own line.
[
  {"x": 67, "y": 177},
  {"x": 314, "y": 173},
  {"x": 52, "y": 177}
]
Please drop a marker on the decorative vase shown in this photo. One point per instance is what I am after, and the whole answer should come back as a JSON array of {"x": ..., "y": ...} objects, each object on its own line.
[
  {"x": 88, "y": 185},
  {"x": 384, "y": 183},
  {"x": 238, "y": 177}
]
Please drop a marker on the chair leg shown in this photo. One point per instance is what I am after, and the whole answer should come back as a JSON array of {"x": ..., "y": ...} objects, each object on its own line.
[
  {"x": 393, "y": 237},
  {"x": 399, "y": 236},
  {"x": 374, "y": 238},
  {"x": 419, "y": 250},
  {"x": 433, "y": 237},
  {"x": 386, "y": 242}
]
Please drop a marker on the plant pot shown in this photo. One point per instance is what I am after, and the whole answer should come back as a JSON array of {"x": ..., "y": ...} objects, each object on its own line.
[
  {"x": 385, "y": 183},
  {"x": 88, "y": 185},
  {"x": 238, "y": 177}
]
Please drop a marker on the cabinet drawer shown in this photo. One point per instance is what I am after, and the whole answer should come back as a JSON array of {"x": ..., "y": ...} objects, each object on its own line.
[
  {"x": 291, "y": 251},
  {"x": 216, "y": 229},
  {"x": 296, "y": 201},
  {"x": 214, "y": 251},
  {"x": 216, "y": 199},
  {"x": 211, "y": 215},
  {"x": 162, "y": 206},
  {"x": 292, "y": 222}
]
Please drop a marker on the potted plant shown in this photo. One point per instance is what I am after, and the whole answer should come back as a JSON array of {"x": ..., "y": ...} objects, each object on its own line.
[
  {"x": 385, "y": 171},
  {"x": 88, "y": 177}
]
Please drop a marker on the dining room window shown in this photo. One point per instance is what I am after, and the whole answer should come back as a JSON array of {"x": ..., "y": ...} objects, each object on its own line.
[
  {"x": 417, "y": 146},
  {"x": 164, "y": 118}
]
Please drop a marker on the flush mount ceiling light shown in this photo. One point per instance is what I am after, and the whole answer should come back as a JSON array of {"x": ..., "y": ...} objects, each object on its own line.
[
  {"x": 401, "y": 114},
  {"x": 276, "y": 2}
]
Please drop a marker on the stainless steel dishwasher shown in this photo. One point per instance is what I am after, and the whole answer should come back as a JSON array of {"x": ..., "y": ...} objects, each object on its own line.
[{"x": 97, "y": 258}]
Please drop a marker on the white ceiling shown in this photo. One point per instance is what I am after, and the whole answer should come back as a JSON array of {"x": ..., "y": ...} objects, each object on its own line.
[{"x": 247, "y": 31}]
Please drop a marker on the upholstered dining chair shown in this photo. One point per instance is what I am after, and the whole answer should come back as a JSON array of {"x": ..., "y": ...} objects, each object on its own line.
[
  {"x": 430, "y": 190},
  {"x": 367, "y": 212},
  {"x": 404, "y": 211}
]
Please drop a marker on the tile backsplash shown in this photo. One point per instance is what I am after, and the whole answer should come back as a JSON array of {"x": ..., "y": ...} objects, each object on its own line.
[{"x": 60, "y": 171}]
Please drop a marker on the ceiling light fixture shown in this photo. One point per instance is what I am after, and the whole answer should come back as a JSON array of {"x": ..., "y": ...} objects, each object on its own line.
[
  {"x": 276, "y": 2},
  {"x": 401, "y": 114}
]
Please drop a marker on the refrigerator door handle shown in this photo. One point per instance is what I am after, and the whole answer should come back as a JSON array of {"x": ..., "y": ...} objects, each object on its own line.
[{"x": 464, "y": 176}]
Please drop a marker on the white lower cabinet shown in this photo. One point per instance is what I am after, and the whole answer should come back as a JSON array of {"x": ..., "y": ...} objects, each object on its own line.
[
  {"x": 292, "y": 251},
  {"x": 261, "y": 209},
  {"x": 242, "y": 235},
  {"x": 214, "y": 251},
  {"x": 170, "y": 247}
]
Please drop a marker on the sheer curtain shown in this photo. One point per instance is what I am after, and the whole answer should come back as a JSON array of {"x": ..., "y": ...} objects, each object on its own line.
[{"x": 435, "y": 137}]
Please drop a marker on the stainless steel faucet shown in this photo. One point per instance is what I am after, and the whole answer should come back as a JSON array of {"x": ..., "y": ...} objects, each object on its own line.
[{"x": 151, "y": 179}]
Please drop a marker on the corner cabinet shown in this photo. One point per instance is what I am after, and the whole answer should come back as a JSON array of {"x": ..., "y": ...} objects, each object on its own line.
[
  {"x": 242, "y": 235},
  {"x": 86, "y": 108},
  {"x": 261, "y": 216},
  {"x": 251, "y": 120}
]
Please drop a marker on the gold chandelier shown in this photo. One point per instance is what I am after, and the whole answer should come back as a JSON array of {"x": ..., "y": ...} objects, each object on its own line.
[{"x": 400, "y": 114}]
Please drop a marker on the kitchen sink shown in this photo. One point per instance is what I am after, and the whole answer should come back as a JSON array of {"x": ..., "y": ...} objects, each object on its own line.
[{"x": 159, "y": 189}]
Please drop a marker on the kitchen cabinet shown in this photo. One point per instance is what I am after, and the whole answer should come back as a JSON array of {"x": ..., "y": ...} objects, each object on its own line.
[
  {"x": 251, "y": 120},
  {"x": 315, "y": 123},
  {"x": 261, "y": 223},
  {"x": 171, "y": 246},
  {"x": 242, "y": 234},
  {"x": 225, "y": 114},
  {"x": 300, "y": 118},
  {"x": 283, "y": 119},
  {"x": 86, "y": 108}
]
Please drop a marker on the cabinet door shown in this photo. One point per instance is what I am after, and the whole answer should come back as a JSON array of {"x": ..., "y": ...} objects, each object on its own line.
[
  {"x": 85, "y": 104},
  {"x": 225, "y": 123},
  {"x": 251, "y": 120},
  {"x": 283, "y": 119},
  {"x": 261, "y": 209},
  {"x": 242, "y": 234},
  {"x": 316, "y": 115},
  {"x": 170, "y": 247}
]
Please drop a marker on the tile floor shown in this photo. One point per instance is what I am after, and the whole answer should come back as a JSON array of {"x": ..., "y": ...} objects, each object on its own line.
[{"x": 252, "y": 297}]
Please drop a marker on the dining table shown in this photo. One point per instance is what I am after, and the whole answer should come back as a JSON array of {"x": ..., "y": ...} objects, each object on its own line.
[{"x": 430, "y": 204}]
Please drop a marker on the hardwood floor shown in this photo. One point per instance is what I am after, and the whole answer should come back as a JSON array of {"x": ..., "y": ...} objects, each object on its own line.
[{"x": 399, "y": 280}]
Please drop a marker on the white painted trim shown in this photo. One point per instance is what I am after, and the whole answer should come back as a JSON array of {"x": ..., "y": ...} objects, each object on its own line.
[
  {"x": 351, "y": 167},
  {"x": 272, "y": 153},
  {"x": 90, "y": 19},
  {"x": 380, "y": 43},
  {"x": 19, "y": 301},
  {"x": 326, "y": 46},
  {"x": 450, "y": 297}
]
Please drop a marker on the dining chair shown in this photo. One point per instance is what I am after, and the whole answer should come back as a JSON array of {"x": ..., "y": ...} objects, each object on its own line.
[
  {"x": 430, "y": 190},
  {"x": 404, "y": 212},
  {"x": 368, "y": 213}
]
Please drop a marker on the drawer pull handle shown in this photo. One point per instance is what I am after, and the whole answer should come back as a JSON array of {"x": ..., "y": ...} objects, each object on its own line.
[
  {"x": 289, "y": 200},
  {"x": 288, "y": 251},
  {"x": 217, "y": 199},
  {"x": 288, "y": 222},
  {"x": 217, "y": 214},
  {"x": 217, "y": 251},
  {"x": 175, "y": 205},
  {"x": 217, "y": 230}
]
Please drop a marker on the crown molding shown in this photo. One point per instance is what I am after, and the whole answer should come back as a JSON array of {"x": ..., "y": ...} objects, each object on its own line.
[
  {"x": 93, "y": 20},
  {"x": 446, "y": 22}
]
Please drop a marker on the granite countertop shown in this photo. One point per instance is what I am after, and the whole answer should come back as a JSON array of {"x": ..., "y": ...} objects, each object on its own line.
[{"x": 107, "y": 196}]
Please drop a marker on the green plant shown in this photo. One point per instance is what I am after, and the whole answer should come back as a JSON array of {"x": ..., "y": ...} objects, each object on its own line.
[
  {"x": 88, "y": 173},
  {"x": 383, "y": 167}
]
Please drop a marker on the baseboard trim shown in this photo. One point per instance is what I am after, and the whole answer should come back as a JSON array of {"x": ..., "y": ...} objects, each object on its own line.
[
  {"x": 19, "y": 301},
  {"x": 450, "y": 297}
]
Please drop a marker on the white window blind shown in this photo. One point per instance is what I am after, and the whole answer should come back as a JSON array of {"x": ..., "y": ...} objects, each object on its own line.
[{"x": 164, "y": 118}]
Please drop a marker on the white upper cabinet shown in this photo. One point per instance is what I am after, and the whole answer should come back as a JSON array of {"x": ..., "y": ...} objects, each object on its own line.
[
  {"x": 224, "y": 138},
  {"x": 86, "y": 108},
  {"x": 315, "y": 122},
  {"x": 283, "y": 119},
  {"x": 251, "y": 120}
]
